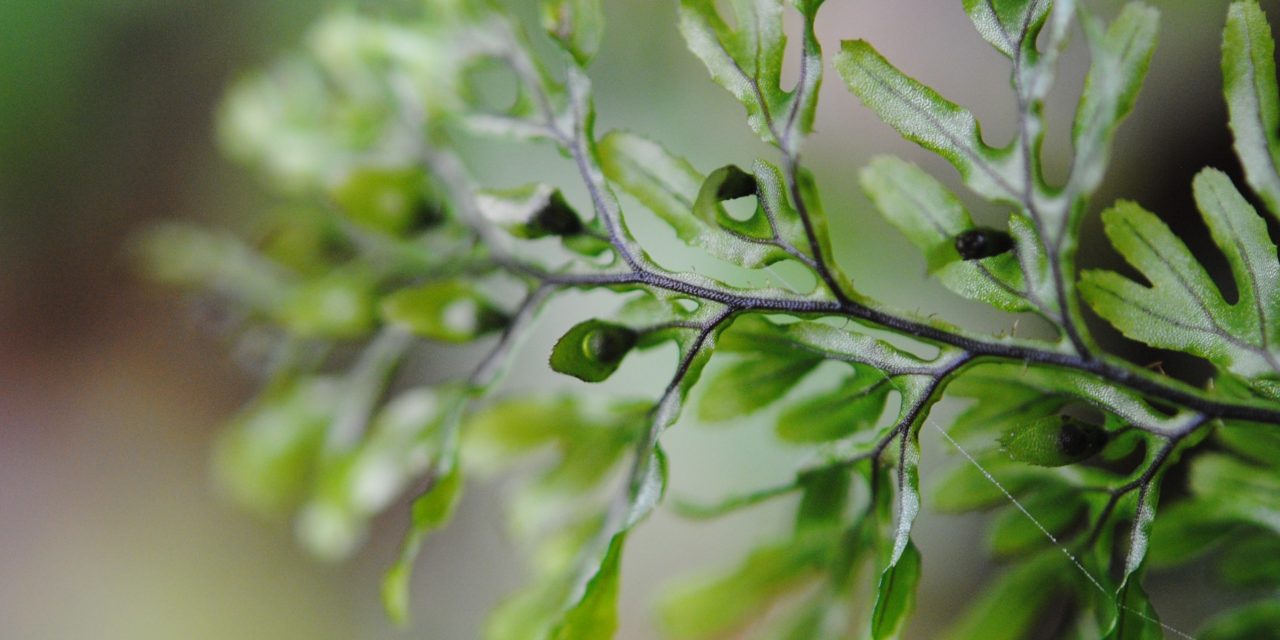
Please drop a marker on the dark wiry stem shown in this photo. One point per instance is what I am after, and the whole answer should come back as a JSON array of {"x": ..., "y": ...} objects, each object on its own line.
[
  {"x": 638, "y": 271},
  {"x": 1142, "y": 482}
]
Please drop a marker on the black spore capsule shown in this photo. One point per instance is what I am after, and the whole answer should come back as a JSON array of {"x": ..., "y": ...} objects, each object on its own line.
[
  {"x": 982, "y": 242},
  {"x": 557, "y": 218},
  {"x": 427, "y": 214},
  {"x": 609, "y": 344},
  {"x": 592, "y": 350},
  {"x": 1053, "y": 441},
  {"x": 1077, "y": 440},
  {"x": 737, "y": 184}
]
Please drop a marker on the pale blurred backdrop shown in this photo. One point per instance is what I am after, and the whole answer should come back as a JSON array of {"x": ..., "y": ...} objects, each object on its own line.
[{"x": 111, "y": 389}]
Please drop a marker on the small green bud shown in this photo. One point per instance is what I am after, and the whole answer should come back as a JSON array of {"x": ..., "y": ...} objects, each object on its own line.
[
  {"x": 982, "y": 242},
  {"x": 338, "y": 306},
  {"x": 388, "y": 200},
  {"x": 1053, "y": 441},
  {"x": 591, "y": 351},
  {"x": 304, "y": 240},
  {"x": 448, "y": 311}
]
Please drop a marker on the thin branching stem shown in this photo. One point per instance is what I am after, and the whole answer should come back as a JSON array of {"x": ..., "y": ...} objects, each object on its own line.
[
  {"x": 485, "y": 372},
  {"x": 640, "y": 272},
  {"x": 1142, "y": 483}
]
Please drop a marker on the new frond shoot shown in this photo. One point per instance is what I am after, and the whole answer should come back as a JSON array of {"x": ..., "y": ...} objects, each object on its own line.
[{"x": 388, "y": 238}]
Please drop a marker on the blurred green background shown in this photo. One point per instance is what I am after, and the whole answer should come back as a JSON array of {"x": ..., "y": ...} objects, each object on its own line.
[{"x": 111, "y": 390}]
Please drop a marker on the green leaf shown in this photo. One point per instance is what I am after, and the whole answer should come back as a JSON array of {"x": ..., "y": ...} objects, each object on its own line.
[
  {"x": 1135, "y": 619},
  {"x": 1253, "y": 561},
  {"x": 753, "y": 383},
  {"x": 1123, "y": 442},
  {"x": 1008, "y": 25},
  {"x": 267, "y": 458},
  {"x": 1010, "y": 607},
  {"x": 587, "y": 445},
  {"x": 931, "y": 217},
  {"x": 578, "y": 25},
  {"x": 754, "y": 333},
  {"x": 393, "y": 201},
  {"x": 647, "y": 488},
  {"x": 896, "y": 594},
  {"x": 999, "y": 407},
  {"x": 854, "y": 405},
  {"x": 771, "y": 226},
  {"x": 772, "y": 192},
  {"x": 661, "y": 317},
  {"x": 928, "y": 119},
  {"x": 575, "y": 595},
  {"x": 746, "y": 60},
  {"x": 303, "y": 239},
  {"x": 1257, "y": 442},
  {"x": 1234, "y": 386},
  {"x": 592, "y": 350},
  {"x": 1053, "y": 441},
  {"x": 1041, "y": 51},
  {"x": 670, "y": 187},
  {"x": 803, "y": 102},
  {"x": 1120, "y": 57},
  {"x": 1186, "y": 531},
  {"x": 1247, "y": 493},
  {"x": 731, "y": 183},
  {"x": 339, "y": 305},
  {"x": 187, "y": 256},
  {"x": 1253, "y": 99},
  {"x": 431, "y": 510},
  {"x": 449, "y": 311},
  {"x": 908, "y": 493},
  {"x": 824, "y": 499},
  {"x": 717, "y": 605},
  {"x": 1125, "y": 405},
  {"x": 595, "y": 614},
  {"x": 1255, "y": 621},
  {"x": 1183, "y": 309},
  {"x": 666, "y": 184},
  {"x": 592, "y": 607},
  {"x": 810, "y": 196},
  {"x": 516, "y": 426},
  {"x": 1034, "y": 262},
  {"x": 1056, "y": 509},
  {"x": 354, "y": 485},
  {"x": 817, "y": 619},
  {"x": 966, "y": 488},
  {"x": 591, "y": 450},
  {"x": 317, "y": 114},
  {"x": 531, "y": 613},
  {"x": 531, "y": 211},
  {"x": 291, "y": 121},
  {"x": 1242, "y": 235}
]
